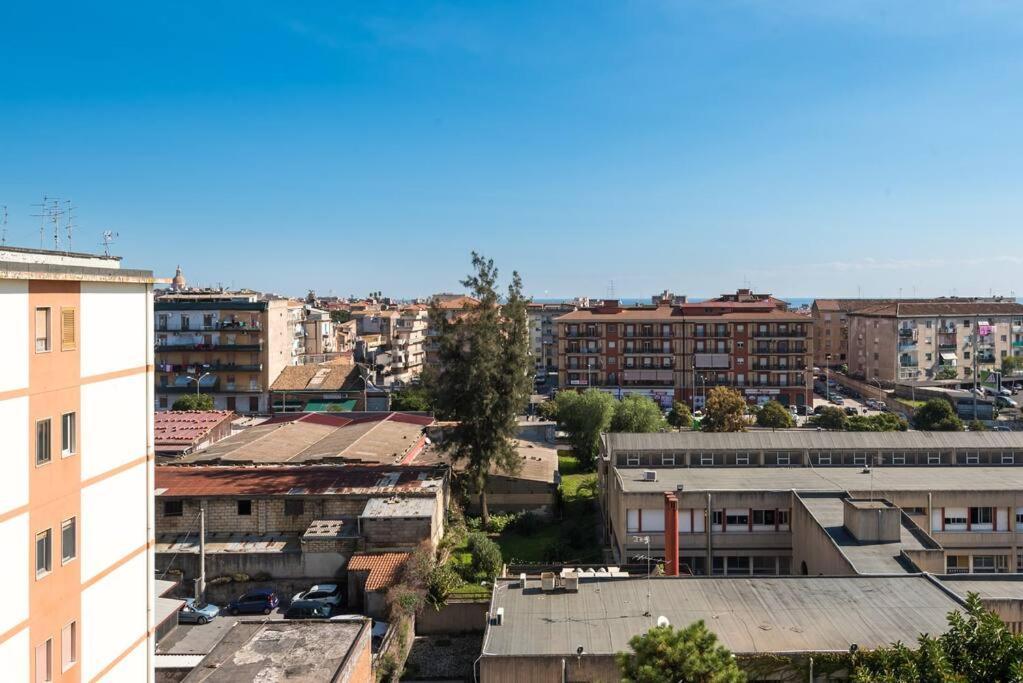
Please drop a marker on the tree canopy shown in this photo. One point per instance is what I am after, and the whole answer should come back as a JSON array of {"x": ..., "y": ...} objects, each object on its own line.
[
  {"x": 725, "y": 411},
  {"x": 882, "y": 422},
  {"x": 414, "y": 398},
  {"x": 584, "y": 415},
  {"x": 775, "y": 416},
  {"x": 484, "y": 376},
  {"x": 937, "y": 416},
  {"x": 194, "y": 402},
  {"x": 665, "y": 655},
  {"x": 680, "y": 416},
  {"x": 830, "y": 417},
  {"x": 637, "y": 414}
]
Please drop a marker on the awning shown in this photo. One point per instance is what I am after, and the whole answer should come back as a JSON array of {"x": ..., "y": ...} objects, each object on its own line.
[
  {"x": 330, "y": 406},
  {"x": 951, "y": 357}
]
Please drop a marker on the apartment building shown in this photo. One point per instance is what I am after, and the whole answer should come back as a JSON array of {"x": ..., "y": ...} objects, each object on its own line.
[
  {"x": 231, "y": 345},
  {"x": 408, "y": 348},
  {"x": 810, "y": 502},
  {"x": 543, "y": 340},
  {"x": 933, "y": 340},
  {"x": 76, "y": 515},
  {"x": 679, "y": 352}
]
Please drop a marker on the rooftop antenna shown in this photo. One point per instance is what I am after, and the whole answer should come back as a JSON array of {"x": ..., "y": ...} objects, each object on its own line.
[
  {"x": 108, "y": 239},
  {"x": 69, "y": 223},
  {"x": 611, "y": 289},
  {"x": 42, "y": 215},
  {"x": 3, "y": 226},
  {"x": 55, "y": 215}
]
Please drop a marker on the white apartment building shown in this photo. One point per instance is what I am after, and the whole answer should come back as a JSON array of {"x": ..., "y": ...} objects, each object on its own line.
[{"x": 76, "y": 479}]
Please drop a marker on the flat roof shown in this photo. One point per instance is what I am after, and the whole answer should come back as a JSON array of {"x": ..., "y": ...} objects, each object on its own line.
[
  {"x": 917, "y": 478},
  {"x": 1008, "y": 586},
  {"x": 299, "y": 651},
  {"x": 313, "y": 480},
  {"x": 809, "y": 439},
  {"x": 749, "y": 615},
  {"x": 866, "y": 558},
  {"x": 371, "y": 438},
  {"x": 396, "y": 506}
]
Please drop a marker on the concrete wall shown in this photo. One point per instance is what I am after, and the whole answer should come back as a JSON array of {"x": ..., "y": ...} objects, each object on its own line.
[
  {"x": 277, "y": 565},
  {"x": 455, "y": 617},
  {"x": 549, "y": 669},
  {"x": 812, "y": 545}
]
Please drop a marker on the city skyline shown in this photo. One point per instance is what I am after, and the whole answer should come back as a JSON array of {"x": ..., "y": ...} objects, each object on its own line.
[{"x": 808, "y": 151}]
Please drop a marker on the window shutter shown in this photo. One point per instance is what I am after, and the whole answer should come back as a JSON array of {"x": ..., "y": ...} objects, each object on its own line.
[{"x": 67, "y": 329}]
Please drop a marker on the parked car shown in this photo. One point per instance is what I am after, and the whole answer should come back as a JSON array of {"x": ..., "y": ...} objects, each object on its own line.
[
  {"x": 851, "y": 410},
  {"x": 804, "y": 410},
  {"x": 194, "y": 613},
  {"x": 1005, "y": 392},
  {"x": 837, "y": 400},
  {"x": 308, "y": 609},
  {"x": 258, "y": 601},
  {"x": 818, "y": 410},
  {"x": 1000, "y": 428},
  {"x": 1003, "y": 402},
  {"x": 327, "y": 593}
]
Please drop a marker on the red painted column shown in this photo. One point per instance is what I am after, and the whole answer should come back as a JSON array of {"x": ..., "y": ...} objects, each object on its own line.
[{"x": 670, "y": 534}]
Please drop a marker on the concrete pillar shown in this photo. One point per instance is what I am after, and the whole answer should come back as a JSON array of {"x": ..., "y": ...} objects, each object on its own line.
[{"x": 670, "y": 534}]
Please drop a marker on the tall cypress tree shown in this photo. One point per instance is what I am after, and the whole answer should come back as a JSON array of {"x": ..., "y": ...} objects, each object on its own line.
[{"x": 484, "y": 377}]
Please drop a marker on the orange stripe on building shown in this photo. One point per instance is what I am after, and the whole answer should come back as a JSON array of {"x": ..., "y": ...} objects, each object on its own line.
[
  {"x": 119, "y": 563},
  {"x": 11, "y": 514},
  {"x": 13, "y": 393},
  {"x": 13, "y": 631},
  {"x": 117, "y": 660},
  {"x": 115, "y": 471},
  {"x": 128, "y": 372}
]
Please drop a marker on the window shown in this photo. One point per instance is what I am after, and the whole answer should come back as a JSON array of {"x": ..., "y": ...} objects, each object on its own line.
[
  {"x": 973, "y": 458},
  {"x": 42, "y": 330},
  {"x": 631, "y": 521},
  {"x": 955, "y": 517},
  {"x": 69, "y": 646},
  {"x": 44, "y": 547},
  {"x": 163, "y": 399},
  {"x": 764, "y": 565},
  {"x": 68, "y": 336},
  {"x": 933, "y": 458},
  {"x": 957, "y": 564},
  {"x": 990, "y": 564},
  {"x": 981, "y": 516},
  {"x": 44, "y": 662},
  {"x": 783, "y": 519},
  {"x": 1008, "y": 458},
  {"x": 173, "y": 508},
  {"x": 668, "y": 459},
  {"x": 294, "y": 508},
  {"x": 783, "y": 459},
  {"x": 742, "y": 458},
  {"x": 898, "y": 458},
  {"x": 859, "y": 458},
  {"x": 737, "y": 565},
  {"x": 737, "y": 518},
  {"x": 715, "y": 518},
  {"x": 632, "y": 459},
  {"x": 706, "y": 458},
  {"x": 43, "y": 441},
  {"x": 763, "y": 518},
  {"x": 68, "y": 540},
  {"x": 244, "y": 508},
  {"x": 1019, "y": 519},
  {"x": 824, "y": 459},
  {"x": 67, "y": 434}
]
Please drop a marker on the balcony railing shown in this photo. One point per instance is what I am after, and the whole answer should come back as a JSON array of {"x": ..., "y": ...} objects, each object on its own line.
[
  {"x": 583, "y": 334},
  {"x": 647, "y": 352},
  {"x": 711, "y": 334},
  {"x": 775, "y": 367},
  {"x": 209, "y": 367},
  {"x": 168, "y": 347},
  {"x": 779, "y": 334},
  {"x": 217, "y": 327}
]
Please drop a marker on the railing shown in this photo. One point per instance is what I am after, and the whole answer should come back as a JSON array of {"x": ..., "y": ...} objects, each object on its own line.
[
  {"x": 647, "y": 335},
  {"x": 779, "y": 334},
  {"x": 168, "y": 347},
  {"x": 583, "y": 334},
  {"x": 783, "y": 368},
  {"x": 711, "y": 334},
  {"x": 219, "y": 327},
  {"x": 210, "y": 367},
  {"x": 905, "y": 346},
  {"x": 779, "y": 351},
  {"x": 658, "y": 351}
]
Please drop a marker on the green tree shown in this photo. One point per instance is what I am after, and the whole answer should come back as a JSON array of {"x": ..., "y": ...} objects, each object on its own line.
[
  {"x": 946, "y": 372},
  {"x": 440, "y": 583},
  {"x": 882, "y": 422},
  {"x": 1010, "y": 364},
  {"x": 414, "y": 398},
  {"x": 486, "y": 555},
  {"x": 977, "y": 426},
  {"x": 637, "y": 414},
  {"x": 548, "y": 410},
  {"x": 830, "y": 418},
  {"x": 193, "y": 402},
  {"x": 665, "y": 655},
  {"x": 774, "y": 415},
  {"x": 584, "y": 415},
  {"x": 937, "y": 416},
  {"x": 680, "y": 416},
  {"x": 340, "y": 316},
  {"x": 725, "y": 411},
  {"x": 484, "y": 375}
]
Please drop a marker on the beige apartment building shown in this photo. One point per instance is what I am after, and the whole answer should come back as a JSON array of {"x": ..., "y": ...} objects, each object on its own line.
[
  {"x": 815, "y": 502},
  {"x": 543, "y": 335},
  {"x": 231, "y": 344},
  {"x": 939, "y": 339}
]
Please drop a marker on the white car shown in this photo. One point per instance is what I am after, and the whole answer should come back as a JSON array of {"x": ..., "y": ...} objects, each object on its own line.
[{"x": 328, "y": 593}]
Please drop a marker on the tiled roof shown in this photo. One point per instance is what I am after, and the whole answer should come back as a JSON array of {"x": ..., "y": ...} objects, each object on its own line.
[
  {"x": 383, "y": 568},
  {"x": 730, "y": 311},
  {"x": 213, "y": 480},
  {"x": 186, "y": 426},
  {"x": 331, "y": 376},
  {"x": 459, "y": 301},
  {"x": 916, "y": 307}
]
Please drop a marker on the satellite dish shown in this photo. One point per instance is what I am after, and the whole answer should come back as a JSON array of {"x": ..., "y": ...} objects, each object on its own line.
[{"x": 663, "y": 621}]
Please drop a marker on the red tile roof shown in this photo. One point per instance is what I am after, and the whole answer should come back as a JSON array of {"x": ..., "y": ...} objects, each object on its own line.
[
  {"x": 212, "y": 480},
  {"x": 384, "y": 568},
  {"x": 186, "y": 426}
]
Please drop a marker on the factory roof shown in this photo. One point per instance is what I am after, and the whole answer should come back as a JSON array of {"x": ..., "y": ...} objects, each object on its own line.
[
  {"x": 810, "y": 439},
  {"x": 212, "y": 480}
]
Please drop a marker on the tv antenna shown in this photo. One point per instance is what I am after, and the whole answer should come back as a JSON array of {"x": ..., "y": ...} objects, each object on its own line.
[
  {"x": 611, "y": 289},
  {"x": 43, "y": 214},
  {"x": 108, "y": 239},
  {"x": 3, "y": 226},
  {"x": 69, "y": 223}
]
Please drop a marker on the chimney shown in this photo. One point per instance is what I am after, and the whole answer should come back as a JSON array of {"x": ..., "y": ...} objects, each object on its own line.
[{"x": 670, "y": 534}]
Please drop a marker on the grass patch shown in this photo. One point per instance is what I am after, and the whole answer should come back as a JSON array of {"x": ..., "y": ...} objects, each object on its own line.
[
  {"x": 471, "y": 590},
  {"x": 911, "y": 404}
]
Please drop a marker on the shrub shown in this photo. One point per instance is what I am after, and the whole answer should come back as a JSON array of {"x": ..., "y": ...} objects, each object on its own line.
[
  {"x": 241, "y": 577},
  {"x": 775, "y": 416},
  {"x": 830, "y": 418},
  {"x": 194, "y": 402},
  {"x": 473, "y": 523},
  {"x": 937, "y": 415},
  {"x": 219, "y": 581},
  {"x": 404, "y": 600},
  {"x": 528, "y": 523},
  {"x": 500, "y": 522},
  {"x": 486, "y": 556},
  {"x": 440, "y": 584},
  {"x": 556, "y": 551}
]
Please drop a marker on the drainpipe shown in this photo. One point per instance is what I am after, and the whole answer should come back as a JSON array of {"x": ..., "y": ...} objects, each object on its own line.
[{"x": 670, "y": 534}]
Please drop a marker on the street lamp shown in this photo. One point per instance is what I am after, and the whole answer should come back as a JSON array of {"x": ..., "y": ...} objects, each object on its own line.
[{"x": 199, "y": 379}]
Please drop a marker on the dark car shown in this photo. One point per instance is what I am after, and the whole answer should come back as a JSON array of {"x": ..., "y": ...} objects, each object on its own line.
[
  {"x": 850, "y": 410},
  {"x": 258, "y": 601},
  {"x": 308, "y": 609}
]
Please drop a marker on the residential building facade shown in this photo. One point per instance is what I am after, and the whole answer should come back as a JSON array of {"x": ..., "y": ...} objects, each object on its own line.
[
  {"x": 543, "y": 335},
  {"x": 231, "y": 344},
  {"x": 76, "y": 398},
  {"x": 679, "y": 352},
  {"x": 906, "y": 342}
]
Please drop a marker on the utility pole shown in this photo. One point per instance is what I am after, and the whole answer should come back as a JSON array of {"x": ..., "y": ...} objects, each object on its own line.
[
  {"x": 200, "y": 583},
  {"x": 976, "y": 330}
]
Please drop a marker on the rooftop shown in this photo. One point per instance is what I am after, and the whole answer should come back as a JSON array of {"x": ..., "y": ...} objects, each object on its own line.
[
  {"x": 397, "y": 506},
  {"x": 942, "y": 308},
  {"x": 749, "y": 615},
  {"x": 1006, "y": 586},
  {"x": 539, "y": 461},
  {"x": 177, "y": 429},
  {"x": 18, "y": 263},
  {"x": 383, "y": 568},
  {"x": 197, "y": 482},
  {"x": 918, "y": 478},
  {"x": 333, "y": 376},
  {"x": 298, "y": 651},
  {"x": 810, "y": 439},
  {"x": 370, "y": 438}
]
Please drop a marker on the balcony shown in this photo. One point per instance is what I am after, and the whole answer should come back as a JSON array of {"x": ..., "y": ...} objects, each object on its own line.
[
  {"x": 776, "y": 367},
  {"x": 193, "y": 368},
  {"x": 907, "y": 345},
  {"x": 647, "y": 352},
  {"x": 216, "y": 327},
  {"x": 947, "y": 347},
  {"x": 907, "y": 333},
  {"x": 780, "y": 351},
  {"x": 583, "y": 334},
  {"x": 712, "y": 334},
  {"x": 779, "y": 334},
  {"x": 596, "y": 365},
  {"x": 584, "y": 349},
  {"x": 168, "y": 347}
]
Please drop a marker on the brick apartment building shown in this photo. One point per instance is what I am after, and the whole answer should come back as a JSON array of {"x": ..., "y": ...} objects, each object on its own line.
[{"x": 669, "y": 352}]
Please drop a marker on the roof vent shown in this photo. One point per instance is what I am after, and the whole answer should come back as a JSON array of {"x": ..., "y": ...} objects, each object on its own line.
[{"x": 649, "y": 475}]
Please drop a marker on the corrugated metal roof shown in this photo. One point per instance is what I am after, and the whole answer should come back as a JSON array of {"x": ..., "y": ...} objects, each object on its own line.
[
  {"x": 810, "y": 439},
  {"x": 749, "y": 615}
]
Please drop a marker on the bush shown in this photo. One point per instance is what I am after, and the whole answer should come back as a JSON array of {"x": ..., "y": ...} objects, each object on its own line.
[
  {"x": 774, "y": 416},
  {"x": 499, "y": 522},
  {"x": 977, "y": 426},
  {"x": 240, "y": 577},
  {"x": 486, "y": 556},
  {"x": 420, "y": 565},
  {"x": 386, "y": 668},
  {"x": 883, "y": 422},
  {"x": 261, "y": 576},
  {"x": 556, "y": 551},
  {"x": 219, "y": 581},
  {"x": 937, "y": 416},
  {"x": 194, "y": 402},
  {"x": 830, "y": 418},
  {"x": 404, "y": 600},
  {"x": 528, "y": 523},
  {"x": 440, "y": 584},
  {"x": 474, "y": 523}
]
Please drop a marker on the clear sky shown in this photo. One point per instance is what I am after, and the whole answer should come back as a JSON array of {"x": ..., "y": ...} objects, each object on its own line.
[{"x": 805, "y": 147}]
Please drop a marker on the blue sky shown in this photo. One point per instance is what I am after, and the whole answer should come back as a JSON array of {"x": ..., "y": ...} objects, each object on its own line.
[{"x": 805, "y": 147}]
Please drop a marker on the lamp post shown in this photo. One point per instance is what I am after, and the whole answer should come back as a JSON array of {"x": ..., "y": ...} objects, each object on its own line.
[
  {"x": 645, "y": 539},
  {"x": 198, "y": 380}
]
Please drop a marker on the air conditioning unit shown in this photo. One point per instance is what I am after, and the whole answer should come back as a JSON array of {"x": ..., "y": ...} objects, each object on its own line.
[
  {"x": 649, "y": 475},
  {"x": 547, "y": 581},
  {"x": 571, "y": 581},
  {"x": 499, "y": 619}
]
